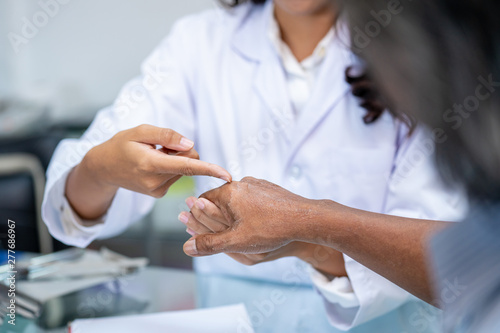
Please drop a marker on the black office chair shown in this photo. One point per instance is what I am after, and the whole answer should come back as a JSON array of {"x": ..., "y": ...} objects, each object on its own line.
[{"x": 23, "y": 163}]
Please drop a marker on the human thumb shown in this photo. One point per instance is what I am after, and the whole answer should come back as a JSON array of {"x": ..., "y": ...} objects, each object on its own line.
[{"x": 207, "y": 244}]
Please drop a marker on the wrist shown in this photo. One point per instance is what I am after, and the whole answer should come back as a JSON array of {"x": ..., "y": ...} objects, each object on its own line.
[
  {"x": 324, "y": 222},
  {"x": 88, "y": 196},
  {"x": 91, "y": 170},
  {"x": 295, "y": 220},
  {"x": 312, "y": 217}
]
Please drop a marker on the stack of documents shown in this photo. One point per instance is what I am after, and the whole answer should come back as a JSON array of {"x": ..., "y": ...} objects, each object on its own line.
[
  {"x": 25, "y": 305},
  {"x": 58, "y": 274},
  {"x": 91, "y": 269},
  {"x": 229, "y": 319}
]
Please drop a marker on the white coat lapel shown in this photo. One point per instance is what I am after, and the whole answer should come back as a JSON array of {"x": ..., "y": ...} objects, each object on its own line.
[
  {"x": 270, "y": 83},
  {"x": 251, "y": 41},
  {"x": 330, "y": 88}
]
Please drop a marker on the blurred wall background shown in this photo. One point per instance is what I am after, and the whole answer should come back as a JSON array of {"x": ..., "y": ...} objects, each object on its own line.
[
  {"x": 4, "y": 46},
  {"x": 78, "y": 60}
]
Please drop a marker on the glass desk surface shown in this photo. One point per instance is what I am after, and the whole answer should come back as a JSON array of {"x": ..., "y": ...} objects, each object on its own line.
[
  {"x": 272, "y": 307},
  {"x": 151, "y": 290}
]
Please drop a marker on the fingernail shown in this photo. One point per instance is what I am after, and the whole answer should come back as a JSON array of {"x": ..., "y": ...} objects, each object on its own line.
[
  {"x": 186, "y": 143},
  {"x": 200, "y": 204},
  {"x": 191, "y": 232},
  {"x": 190, "y": 247},
  {"x": 190, "y": 202},
  {"x": 227, "y": 179},
  {"x": 183, "y": 218}
]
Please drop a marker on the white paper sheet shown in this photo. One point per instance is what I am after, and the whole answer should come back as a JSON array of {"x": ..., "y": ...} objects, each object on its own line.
[{"x": 229, "y": 319}]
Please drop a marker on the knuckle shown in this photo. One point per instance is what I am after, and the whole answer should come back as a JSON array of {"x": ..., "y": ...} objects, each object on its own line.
[
  {"x": 142, "y": 129},
  {"x": 212, "y": 210},
  {"x": 208, "y": 245},
  {"x": 194, "y": 223},
  {"x": 119, "y": 135},
  {"x": 150, "y": 185},
  {"x": 187, "y": 169},
  {"x": 227, "y": 188},
  {"x": 203, "y": 244},
  {"x": 195, "y": 227},
  {"x": 197, "y": 214},
  {"x": 166, "y": 135},
  {"x": 211, "y": 215},
  {"x": 191, "y": 225},
  {"x": 220, "y": 228},
  {"x": 144, "y": 166},
  {"x": 248, "y": 179},
  {"x": 207, "y": 195}
]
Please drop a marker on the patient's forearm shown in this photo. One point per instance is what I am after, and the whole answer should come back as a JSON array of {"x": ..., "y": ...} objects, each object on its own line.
[
  {"x": 394, "y": 247},
  {"x": 267, "y": 217}
]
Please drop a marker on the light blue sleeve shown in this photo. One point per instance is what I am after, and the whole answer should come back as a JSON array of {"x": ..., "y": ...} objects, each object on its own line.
[{"x": 466, "y": 259}]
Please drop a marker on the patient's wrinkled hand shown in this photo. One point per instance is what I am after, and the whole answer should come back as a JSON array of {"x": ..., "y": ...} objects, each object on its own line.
[
  {"x": 263, "y": 217},
  {"x": 324, "y": 259},
  {"x": 205, "y": 217}
]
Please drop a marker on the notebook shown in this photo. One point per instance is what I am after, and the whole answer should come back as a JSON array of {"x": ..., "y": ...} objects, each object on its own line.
[{"x": 228, "y": 319}]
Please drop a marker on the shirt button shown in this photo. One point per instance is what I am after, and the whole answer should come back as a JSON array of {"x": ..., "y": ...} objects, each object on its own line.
[
  {"x": 296, "y": 172},
  {"x": 322, "y": 52}
]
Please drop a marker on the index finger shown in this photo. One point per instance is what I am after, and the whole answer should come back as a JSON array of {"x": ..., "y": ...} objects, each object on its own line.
[
  {"x": 186, "y": 166},
  {"x": 165, "y": 137}
]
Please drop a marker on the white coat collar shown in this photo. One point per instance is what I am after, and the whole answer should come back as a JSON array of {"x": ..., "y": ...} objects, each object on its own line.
[
  {"x": 290, "y": 63},
  {"x": 251, "y": 41},
  {"x": 250, "y": 38}
]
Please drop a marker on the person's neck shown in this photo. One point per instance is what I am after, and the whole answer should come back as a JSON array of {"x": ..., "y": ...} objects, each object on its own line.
[{"x": 303, "y": 33}]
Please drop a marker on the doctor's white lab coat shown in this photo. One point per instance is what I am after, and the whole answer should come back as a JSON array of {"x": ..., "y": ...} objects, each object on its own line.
[{"x": 217, "y": 80}]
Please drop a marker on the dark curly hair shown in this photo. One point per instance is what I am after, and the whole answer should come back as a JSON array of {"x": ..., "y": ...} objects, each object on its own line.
[{"x": 363, "y": 87}]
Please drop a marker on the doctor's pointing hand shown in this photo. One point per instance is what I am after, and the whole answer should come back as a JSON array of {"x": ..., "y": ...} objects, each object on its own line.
[{"x": 131, "y": 160}]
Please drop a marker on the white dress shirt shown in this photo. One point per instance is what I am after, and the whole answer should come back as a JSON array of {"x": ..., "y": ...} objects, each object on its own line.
[{"x": 300, "y": 77}]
